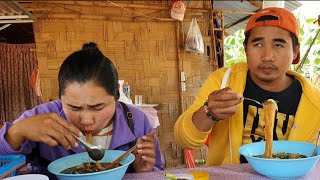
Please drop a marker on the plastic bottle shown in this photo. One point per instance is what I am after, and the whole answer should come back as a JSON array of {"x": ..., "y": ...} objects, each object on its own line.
[{"x": 126, "y": 90}]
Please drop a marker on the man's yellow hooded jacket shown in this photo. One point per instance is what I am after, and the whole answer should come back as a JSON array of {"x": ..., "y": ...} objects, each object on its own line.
[{"x": 226, "y": 135}]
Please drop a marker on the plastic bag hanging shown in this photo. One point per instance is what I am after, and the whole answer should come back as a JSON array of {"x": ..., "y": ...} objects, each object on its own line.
[{"x": 194, "y": 41}]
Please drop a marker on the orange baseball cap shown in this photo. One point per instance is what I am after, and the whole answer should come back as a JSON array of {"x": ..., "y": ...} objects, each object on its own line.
[{"x": 282, "y": 18}]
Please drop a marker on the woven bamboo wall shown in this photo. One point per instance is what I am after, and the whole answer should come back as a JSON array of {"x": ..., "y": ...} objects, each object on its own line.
[{"x": 146, "y": 52}]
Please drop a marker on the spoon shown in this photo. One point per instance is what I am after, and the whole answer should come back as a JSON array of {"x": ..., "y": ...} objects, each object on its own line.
[
  {"x": 116, "y": 162},
  {"x": 316, "y": 147},
  {"x": 95, "y": 152},
  {"x": 253, "y": 100}
]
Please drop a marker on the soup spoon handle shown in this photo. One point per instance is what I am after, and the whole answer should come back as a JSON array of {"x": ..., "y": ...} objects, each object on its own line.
[
  {"x": 87, "y": 146},
  {"x": 95, "y": 152}
]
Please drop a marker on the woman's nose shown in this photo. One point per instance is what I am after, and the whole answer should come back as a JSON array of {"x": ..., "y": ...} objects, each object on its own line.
[{"x": 87, "y": 118}]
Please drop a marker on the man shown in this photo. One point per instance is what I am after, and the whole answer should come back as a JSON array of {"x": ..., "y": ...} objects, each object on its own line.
[{"x": 221, "y": 115}]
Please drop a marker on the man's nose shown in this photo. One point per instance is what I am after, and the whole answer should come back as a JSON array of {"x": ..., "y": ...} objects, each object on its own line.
[{"x": 268, "y": 54}]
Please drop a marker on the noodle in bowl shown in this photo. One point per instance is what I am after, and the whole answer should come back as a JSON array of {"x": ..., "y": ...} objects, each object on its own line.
[
  {"x": 281, "y": 168},
  {"x": 57, "y": 166}
]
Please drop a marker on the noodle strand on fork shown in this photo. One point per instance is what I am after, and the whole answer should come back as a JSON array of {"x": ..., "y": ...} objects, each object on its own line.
[{"x": 270, "y": 108}]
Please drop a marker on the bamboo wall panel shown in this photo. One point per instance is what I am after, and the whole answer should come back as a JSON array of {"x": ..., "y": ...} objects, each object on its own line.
[{"x": 143, "y": 50}]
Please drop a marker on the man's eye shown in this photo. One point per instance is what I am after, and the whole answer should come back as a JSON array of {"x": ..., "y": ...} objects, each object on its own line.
[
  {"x": 279, "y": 45},
  {"x": 257, "y": 44}
]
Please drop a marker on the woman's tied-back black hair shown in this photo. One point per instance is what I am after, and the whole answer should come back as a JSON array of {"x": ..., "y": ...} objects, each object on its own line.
[{"x": 89, "y": 64}]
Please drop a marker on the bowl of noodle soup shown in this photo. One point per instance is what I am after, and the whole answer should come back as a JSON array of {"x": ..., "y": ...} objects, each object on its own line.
[
  {"x": 59, "y": 166},
  {"x": 297, "y": 164}
]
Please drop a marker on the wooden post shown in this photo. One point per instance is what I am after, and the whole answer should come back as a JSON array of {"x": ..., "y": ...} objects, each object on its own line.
[
  {"x": 213, "y": 39},
  {"x": 222, "y": 40},
  {"x": 179, "y": 64}
]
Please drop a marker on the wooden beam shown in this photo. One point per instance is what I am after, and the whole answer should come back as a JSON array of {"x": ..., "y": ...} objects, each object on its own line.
[
  {"x": 14, "y": 8},
  {"x": 141, "y": 6},
  {"x": 25, "y": 11},
  {"x": 240, "y": 20},
  {"x": 15, "y": 21},
  {"x": 107, "y": 18},
  {"x": 222, "y": 41},
  {"x": 96, "y": 17},
  {"x": 6, "y": 8},
  {"x": 213, "y": 53},
  {"x": 103, "y": 4},
  {"x": 15, "y": 17},
  {"x": 256, "y": 3},
  {"x": 4, "y": 26},
  {"x": 232, "y": 12}
]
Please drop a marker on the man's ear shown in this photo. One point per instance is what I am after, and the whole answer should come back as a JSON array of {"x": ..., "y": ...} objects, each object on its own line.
[
  {"x": 245, "y": 47},
  {"x": 296, "y": 51}
]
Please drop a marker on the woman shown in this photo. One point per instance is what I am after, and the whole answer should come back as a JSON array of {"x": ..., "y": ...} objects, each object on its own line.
[{"x": 88, "y": 91}]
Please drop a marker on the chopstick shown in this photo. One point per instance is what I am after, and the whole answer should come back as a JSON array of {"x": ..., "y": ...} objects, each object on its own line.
[{"x": 119, "y": 159}]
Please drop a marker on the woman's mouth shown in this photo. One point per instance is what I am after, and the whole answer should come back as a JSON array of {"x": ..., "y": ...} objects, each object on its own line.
[{"x": 87, "y": 130}]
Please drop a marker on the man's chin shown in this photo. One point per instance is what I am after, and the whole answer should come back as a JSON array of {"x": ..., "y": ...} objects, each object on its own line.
[{"x": 266, "y": 79}]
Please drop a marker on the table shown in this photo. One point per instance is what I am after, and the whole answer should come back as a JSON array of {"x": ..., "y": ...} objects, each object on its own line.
[{"x": 241, "y": 171}]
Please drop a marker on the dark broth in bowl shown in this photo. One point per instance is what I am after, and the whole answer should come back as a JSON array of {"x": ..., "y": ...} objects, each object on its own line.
[{"x": 85, "y": 168}]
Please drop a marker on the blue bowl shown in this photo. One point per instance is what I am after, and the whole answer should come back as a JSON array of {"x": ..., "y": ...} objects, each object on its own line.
[
  {"x": 281, "y": 168},
  {"x": 61, "y": 164}
]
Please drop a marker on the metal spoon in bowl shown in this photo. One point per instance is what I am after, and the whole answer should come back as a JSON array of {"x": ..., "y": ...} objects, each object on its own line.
[
  {"x": 95, "y": 152},
  {"x": 316, "y": 146}
]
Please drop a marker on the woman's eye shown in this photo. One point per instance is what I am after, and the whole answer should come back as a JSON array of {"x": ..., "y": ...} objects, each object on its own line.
[
  {"x": 75, "y": 108},
  {"x": 98, "y": 108}
]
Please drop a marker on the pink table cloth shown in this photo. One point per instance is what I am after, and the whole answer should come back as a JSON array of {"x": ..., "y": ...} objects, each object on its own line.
[{"x": 241, "y": 171}]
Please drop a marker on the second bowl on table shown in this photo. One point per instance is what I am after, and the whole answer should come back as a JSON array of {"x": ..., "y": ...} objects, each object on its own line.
[{"x": 281, "y": 168}]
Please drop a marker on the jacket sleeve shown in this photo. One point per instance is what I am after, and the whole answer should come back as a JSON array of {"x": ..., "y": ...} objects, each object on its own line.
[
  {"x": 26, "y": 147},
  {"x": 186, "y": 135},
  {"x": 6, "y": 148}
]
